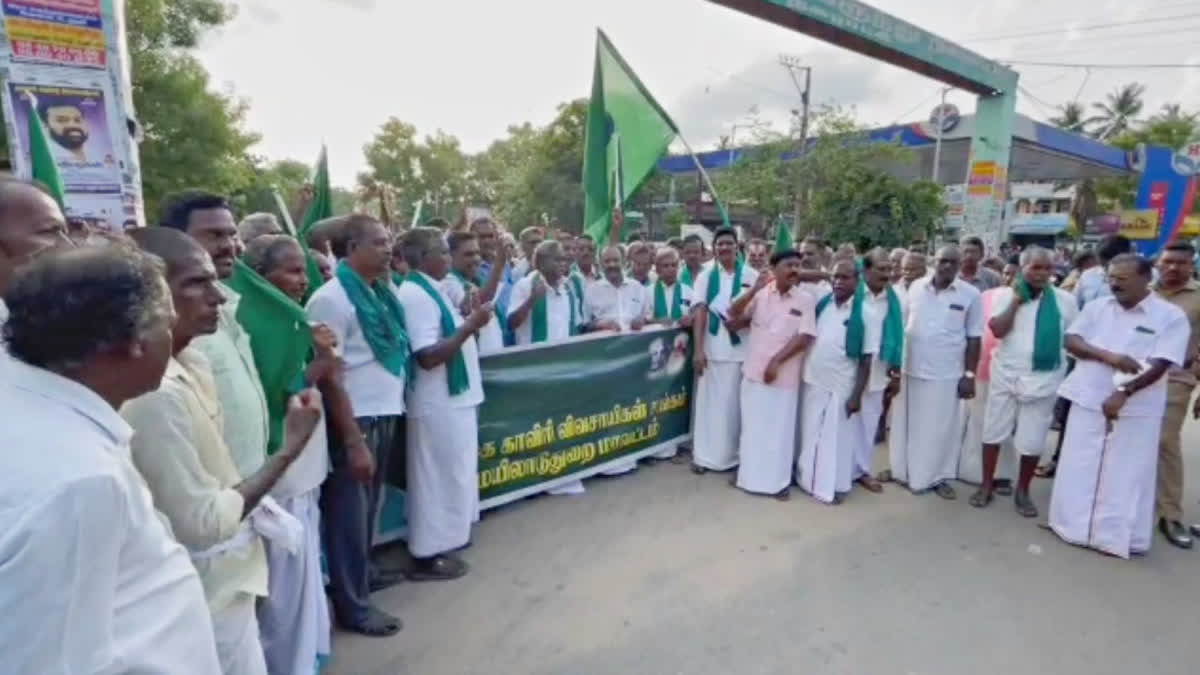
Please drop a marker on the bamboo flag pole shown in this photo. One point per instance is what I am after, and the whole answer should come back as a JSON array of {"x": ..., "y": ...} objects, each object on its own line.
[{"x": 712, "y": 189}]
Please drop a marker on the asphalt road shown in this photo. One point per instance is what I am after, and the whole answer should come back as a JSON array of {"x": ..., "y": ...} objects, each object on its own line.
[{"x": 664, "y": 572}]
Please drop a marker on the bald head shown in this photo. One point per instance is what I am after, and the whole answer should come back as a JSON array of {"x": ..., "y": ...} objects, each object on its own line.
[{"x": 30, "y": 222}]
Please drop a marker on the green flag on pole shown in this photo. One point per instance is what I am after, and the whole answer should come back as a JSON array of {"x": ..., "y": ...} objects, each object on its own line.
[
  {"x": 43, "y": 167},
  {"x": 320, "y": 208},
  {"x": 627, "y": 133},
  {"x": 783, "y": 237}
]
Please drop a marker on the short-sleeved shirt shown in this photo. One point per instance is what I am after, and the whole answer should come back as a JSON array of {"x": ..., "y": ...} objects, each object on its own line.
[
  {"x": 1092, "y": 284},
  {"x": 685, "y": 299},
  {"x": 828, "y": 366},
  {"x": 558, "y": 310},
  {"x": 430, "y": 393},
  {"x": 1187, "y": 299},
  {"x": 1152, "y": 329},
  {"x": 984, "y": 279},
  {"x": 776, "y": 318},
  {"x": 623, "y": 304},
  {"x": 1012, "y": 359},
  {"x": 490, "y": 338},
  {"x": 718, "y": 347},
  {"x": 372, "y": 389},
  {"x": 938, "y": 326}
]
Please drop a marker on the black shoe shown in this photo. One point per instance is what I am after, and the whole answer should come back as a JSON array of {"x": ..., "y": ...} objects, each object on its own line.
[{"x": 1175, "y": 533}]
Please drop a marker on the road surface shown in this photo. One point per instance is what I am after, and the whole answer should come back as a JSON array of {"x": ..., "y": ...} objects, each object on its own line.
[{"x": 664, "y": 572}]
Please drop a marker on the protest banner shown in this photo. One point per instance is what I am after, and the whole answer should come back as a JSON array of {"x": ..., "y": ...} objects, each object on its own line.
[
  {"x": 58, "y": 32},
  {"x": 557, "y": 413}
]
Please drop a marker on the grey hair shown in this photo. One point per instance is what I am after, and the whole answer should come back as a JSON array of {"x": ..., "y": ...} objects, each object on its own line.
[
  {"x": 621, "y": 251},
  {"x": 257, "y": 225},
  {"x": 72, "y": 304},
  {"x": 1030, "y": 254},
  {"x": 419, "y": 242},
  {"x": 547, "y": 249},
  {"x": 637, "y": 247},
  {"x": 264, "y": 253},
  {"x": 666, "y": 252}
]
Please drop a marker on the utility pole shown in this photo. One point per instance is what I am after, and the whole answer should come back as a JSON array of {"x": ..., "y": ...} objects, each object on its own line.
[
  {"x": 794, "y": 66},
  {"x": 941, "y": 122}
]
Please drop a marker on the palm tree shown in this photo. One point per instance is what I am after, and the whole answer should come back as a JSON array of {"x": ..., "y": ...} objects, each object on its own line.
[
  {"x": 1116, "y": 114},
  {"x": 1173, "y": 112},
  {"x": 1070, "y": 118}
]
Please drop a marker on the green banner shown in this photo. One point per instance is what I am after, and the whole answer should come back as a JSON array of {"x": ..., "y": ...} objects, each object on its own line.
[{"x": 566, "y": 411}]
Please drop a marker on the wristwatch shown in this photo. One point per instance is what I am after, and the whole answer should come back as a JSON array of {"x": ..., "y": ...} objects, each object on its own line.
[
  {"x": 1124, "y": 390},
  {"x": 970, "y": 374}
]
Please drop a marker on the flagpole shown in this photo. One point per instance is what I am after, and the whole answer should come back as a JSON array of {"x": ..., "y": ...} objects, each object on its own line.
[
  {"x": 283, "y": 210},
  {"x": 704, "y": 175}
]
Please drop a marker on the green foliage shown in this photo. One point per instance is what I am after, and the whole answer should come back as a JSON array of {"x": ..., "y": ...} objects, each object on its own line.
[
  {"x": 840, "y": 188},
  {"x": 288, "y": 176}
]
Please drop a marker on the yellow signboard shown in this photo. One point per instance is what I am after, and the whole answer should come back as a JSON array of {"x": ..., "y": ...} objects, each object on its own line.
[
  {"x": 1191, "y": 227},
  {"x": 1139, "y": 223}
]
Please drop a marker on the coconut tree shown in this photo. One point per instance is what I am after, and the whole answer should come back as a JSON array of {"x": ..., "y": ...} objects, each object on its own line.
[
  {"x": 1071, "y": 118},
  {"x": 1116, "y": 114}
]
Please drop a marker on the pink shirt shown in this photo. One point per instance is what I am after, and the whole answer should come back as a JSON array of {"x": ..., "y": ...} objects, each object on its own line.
[
  {"x": 989, "y": 341},
  {"x": 774, "y": 320}
]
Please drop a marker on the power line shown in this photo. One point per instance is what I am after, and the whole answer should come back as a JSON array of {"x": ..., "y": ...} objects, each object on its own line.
[
  {"x": 1114, "y": 41},
  {"x": 1111, "y": 66},
  {"x": 1096, "y": 26},
  {"x": 1065, "y": 19},
  {"x": 925, "y": 101}
]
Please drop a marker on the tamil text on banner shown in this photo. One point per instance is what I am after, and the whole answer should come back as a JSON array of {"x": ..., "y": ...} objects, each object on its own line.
[
  {"x": 1139, "y": 224},
  {"x": 557, "y": 413},
  {"x": 59, "y": 32}
]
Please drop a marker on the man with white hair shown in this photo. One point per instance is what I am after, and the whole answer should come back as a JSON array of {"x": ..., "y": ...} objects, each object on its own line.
[
  {"x": 1030, "y": 321},
  {"x": 256, "y": 225}
]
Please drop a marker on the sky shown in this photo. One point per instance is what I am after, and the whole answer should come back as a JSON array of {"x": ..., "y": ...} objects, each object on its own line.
[{"x": 332, "y": 71}]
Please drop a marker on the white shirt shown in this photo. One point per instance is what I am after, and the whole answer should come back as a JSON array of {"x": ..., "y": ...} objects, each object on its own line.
[
  {"x": 718, "y": 347},
  {"x": 373, "y": 391},
  {"x": 827, "y": 364},
  {"x": 91, "y": 580},
  {"x": 937, "y": 328},
  {"x": 3, "y": 320},
  {"x": 1012, "y": 359},
  {"x": 558, "y": 310},
  {"x": 431, "y": 389},
  {"x": 685, "y": 299},
  {"x": 878, "y": 306},
  {"x": 622, "y": 304},
  {"x": 818, "y": 289},
  {"x": 1154, "y": 329},
  {"x": 490, "y": 338}
]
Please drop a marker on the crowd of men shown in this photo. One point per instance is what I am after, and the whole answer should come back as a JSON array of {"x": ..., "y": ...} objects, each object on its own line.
[{"x": 173, "y": 497}]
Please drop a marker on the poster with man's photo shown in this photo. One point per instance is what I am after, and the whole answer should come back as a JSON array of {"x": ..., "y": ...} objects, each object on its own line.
[{"x": 76, "y": 119}]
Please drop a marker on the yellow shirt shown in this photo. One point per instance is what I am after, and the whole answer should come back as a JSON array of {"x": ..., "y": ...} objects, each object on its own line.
[{"x": 178, "y": 448}]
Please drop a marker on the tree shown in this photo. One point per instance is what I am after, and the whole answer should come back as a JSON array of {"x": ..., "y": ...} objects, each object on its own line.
[
  {"x": 286, "y": 176},
  {"x": 1071, "y": 118},
  {"x": 1119, "y": 110}
]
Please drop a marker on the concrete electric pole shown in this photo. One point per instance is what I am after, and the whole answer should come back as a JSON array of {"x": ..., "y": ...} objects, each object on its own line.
[{"x": 794, "y": 67}]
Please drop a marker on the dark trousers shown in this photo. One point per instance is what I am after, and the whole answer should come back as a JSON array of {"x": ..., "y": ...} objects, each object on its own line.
[{"x": 348, "y": 510}]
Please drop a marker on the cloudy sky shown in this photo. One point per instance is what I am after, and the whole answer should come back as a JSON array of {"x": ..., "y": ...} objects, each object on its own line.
[{"x": 333, "y": 70}]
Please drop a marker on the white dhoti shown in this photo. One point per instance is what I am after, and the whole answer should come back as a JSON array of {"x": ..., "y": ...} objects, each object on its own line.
[
  {"x": 236, "y": 631},
  {"x": 294, "y": 617},
  {"x": 718, "y": 416},
  {"x": 970, "y": 458},
  {"x": 1103, "y": 495},
  {"x": 828, "y": 444},
  {"x": 927, "y": 432},
  {"x": 443, "y": 480},
  {"x": 868, "y": 418},
  {"x": 768, "y": 437}
]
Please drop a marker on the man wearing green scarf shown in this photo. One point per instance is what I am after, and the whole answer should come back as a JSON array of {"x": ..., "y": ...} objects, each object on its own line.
[
  {"x": 641, "y": 263},
  {"x": 360, "y": 307},
  {"x": 835, "y": 381},
  {"x": 668, "y": 301},
  {"x": 443, "y": 411},
  {"x": 693, "y": 259},
  {"x": 468, "y": 285},
  {"x": 719, "y": 352},
  {"x": 885, "y": 309},
  {"x": 1028, "y": 365}
]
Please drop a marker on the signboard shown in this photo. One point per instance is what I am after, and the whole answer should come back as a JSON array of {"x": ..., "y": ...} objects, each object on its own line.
[
  {"x": 1190, "y": 228},
  {"x": 59, "y": 32},
  {"x": 1139, "y": 224},
  {"x": 1039, "y": 223},
  {"x": 946, "y": 116}
]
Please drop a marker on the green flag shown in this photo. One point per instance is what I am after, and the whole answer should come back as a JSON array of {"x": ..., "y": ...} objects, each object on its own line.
[
  {"x": 320, "y": 208},
  {"x": 783, "y": 237},
  {"x": 627, "y": 133},
  {"x": 44, "y": 168},
  {"x": 280, "y": 338}
]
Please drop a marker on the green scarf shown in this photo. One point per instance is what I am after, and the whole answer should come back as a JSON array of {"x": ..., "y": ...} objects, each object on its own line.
[
  {"x": 1047, "y": 328},
  {"x": 539, "y": 330},
  {"x": 660, "y": 301},
  {"x": 465, "y": 281},
  {"x": 686, "y": 277},
  {"x": 714, "y": 287},
  {"x": 457, "y": 380},
  {"x": 397, "y": 278},
  {"x": 856, "y": 327},
  {"x": 892, "y": 348},
  {"x": 381, "y": 318}
]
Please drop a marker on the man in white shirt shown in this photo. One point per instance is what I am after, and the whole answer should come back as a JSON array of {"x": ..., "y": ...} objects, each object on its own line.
[
  {"x": 719, "y": 343},
  {"x": 359, "y": 306},
  {"x": 943, "y": 328},
  {"x": 530, "y": 238},
  {"x": 178, "y": 448},
  {"x": 30, "y": 222},
  {"x": 886, "y": 310},
  {"x": 1027, "y": 367},
  {"x": 540, "y": 307},
  {"x": 641, "y": 263},
  {"x": 668, "y": 301},
  {"x": 466, "y": 288},
  {"x": 1124, "y": 344},
  {"x": 91, "y": 579},
  {"x": 443, "y": 423}
]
